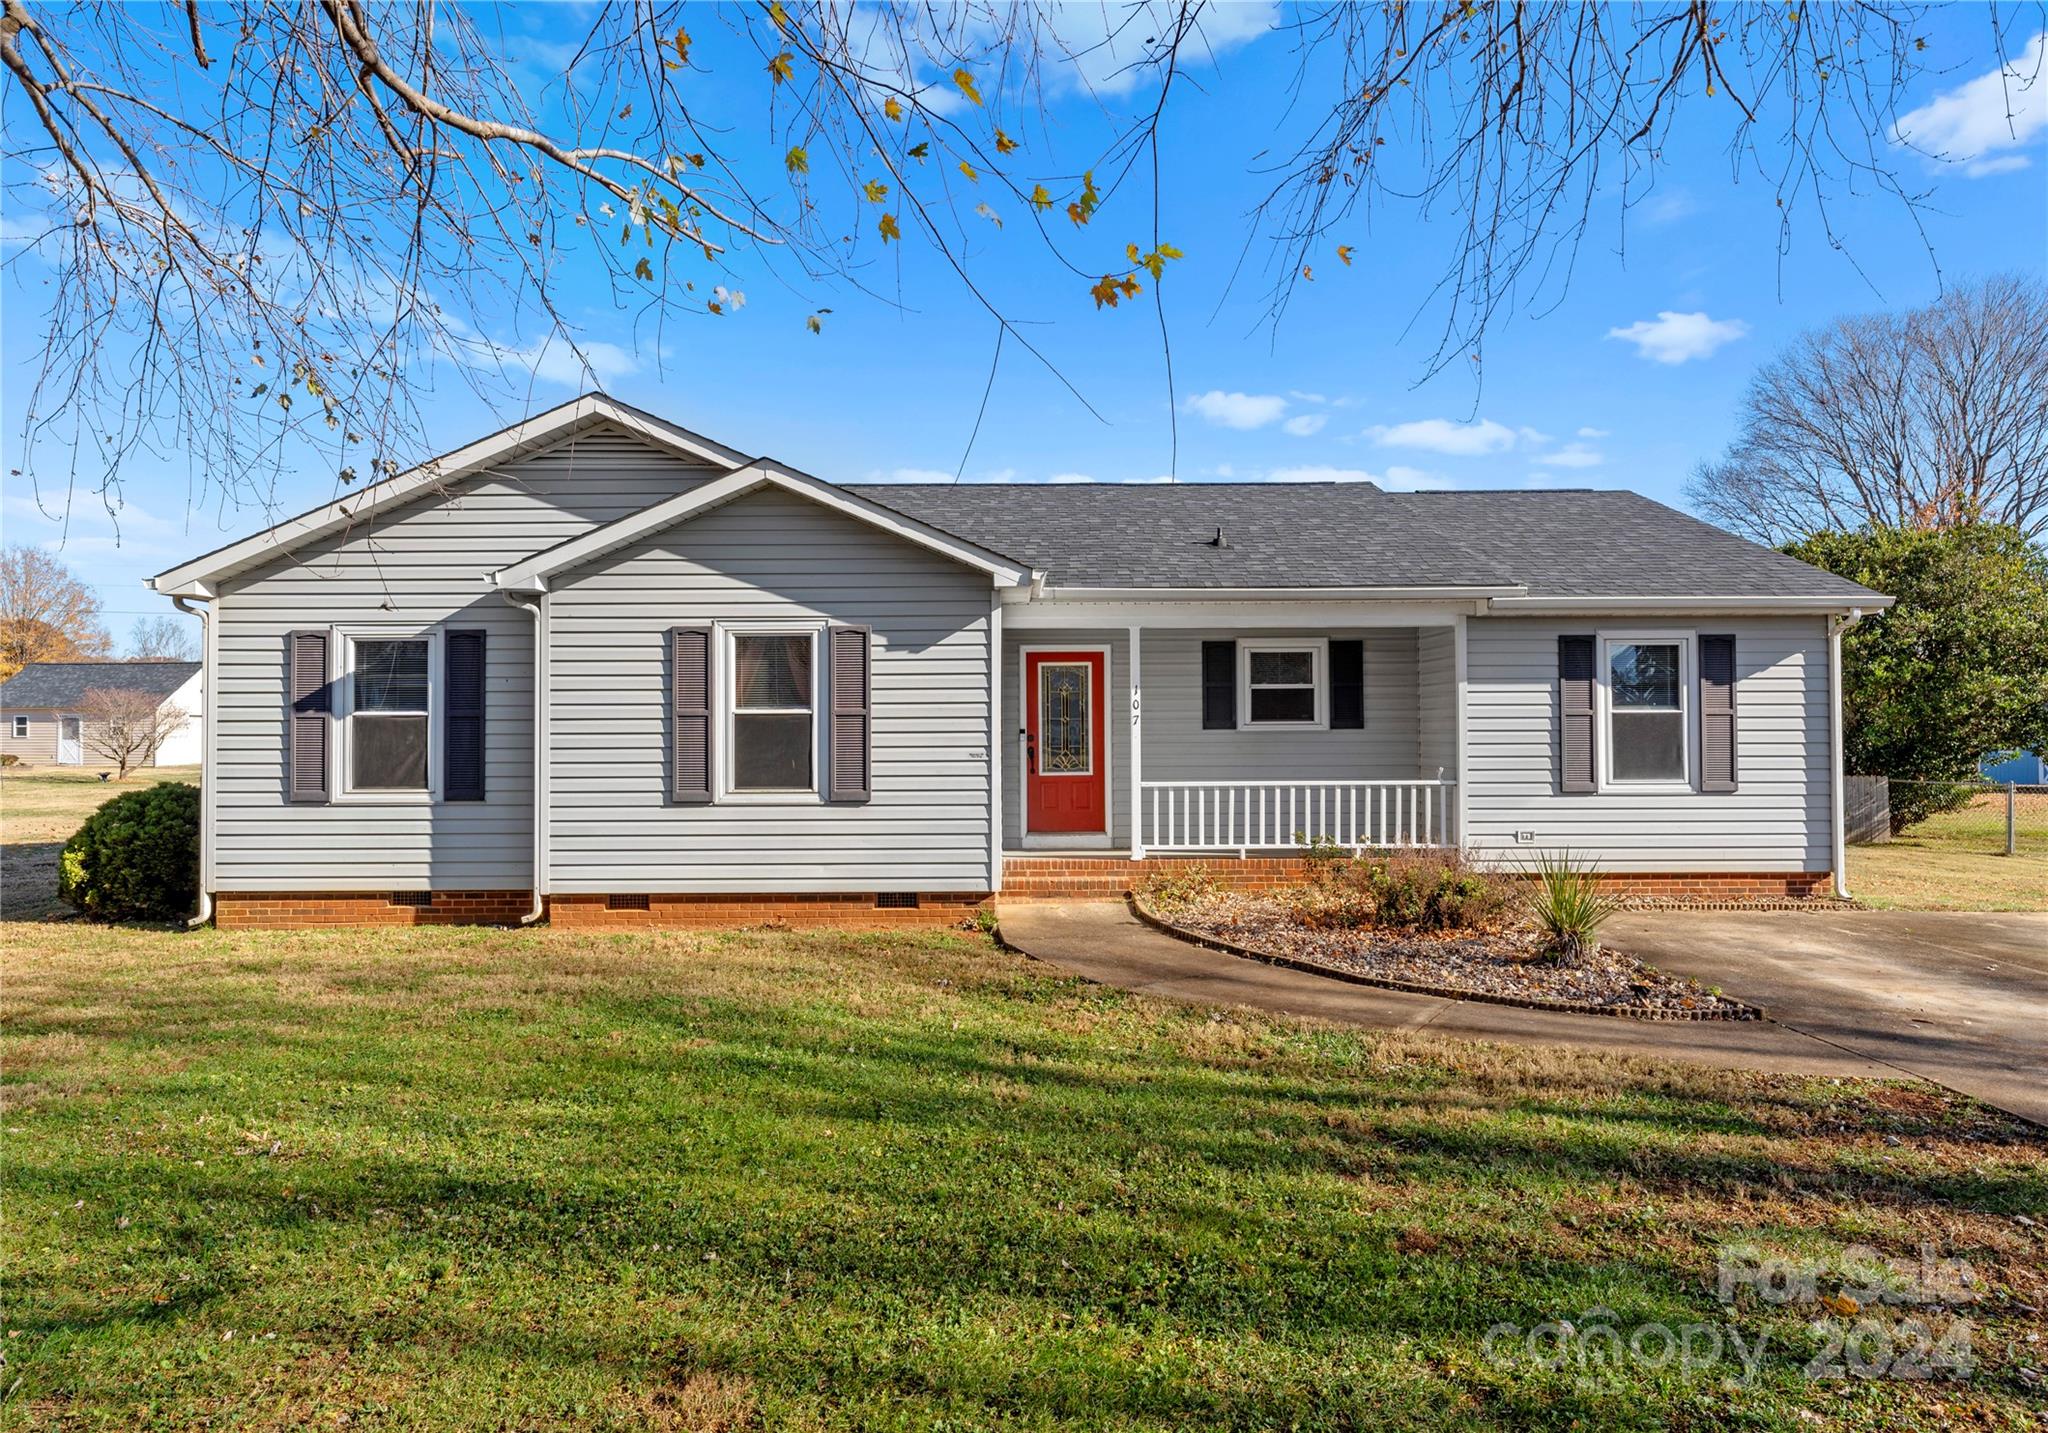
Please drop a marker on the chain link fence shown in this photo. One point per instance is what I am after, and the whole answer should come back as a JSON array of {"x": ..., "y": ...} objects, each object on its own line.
[{"x": 1987, "y": 817}]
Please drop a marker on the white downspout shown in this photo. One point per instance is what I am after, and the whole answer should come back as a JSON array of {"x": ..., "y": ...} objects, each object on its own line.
[
  {"x": 1837, "y": 625},
  {"x": 207, "y": 720},
  {"x": 540, "y": 658}
]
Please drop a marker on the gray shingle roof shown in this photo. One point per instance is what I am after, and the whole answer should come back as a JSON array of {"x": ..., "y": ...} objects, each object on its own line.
[
  {"x": 44, "y": 685},
  {"x": 1557, "y": 542}
]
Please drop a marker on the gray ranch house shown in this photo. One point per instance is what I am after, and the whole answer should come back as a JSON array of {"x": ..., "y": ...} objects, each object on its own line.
[{"x": 602, "y": 668}]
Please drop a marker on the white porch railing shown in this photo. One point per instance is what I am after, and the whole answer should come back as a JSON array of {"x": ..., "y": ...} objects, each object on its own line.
[{"x": 1273, "y": 815}]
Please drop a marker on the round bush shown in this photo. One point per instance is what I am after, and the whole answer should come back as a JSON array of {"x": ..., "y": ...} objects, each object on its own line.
[{"x": 137, "y": 857}]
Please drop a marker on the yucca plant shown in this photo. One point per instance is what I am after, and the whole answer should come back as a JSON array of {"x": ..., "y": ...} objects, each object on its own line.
[{"x": 1568, "y": 904}]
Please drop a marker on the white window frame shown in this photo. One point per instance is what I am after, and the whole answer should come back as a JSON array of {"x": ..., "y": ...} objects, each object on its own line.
[
  {"x": 344, "y": 686},
  {"x": 21, "y": 728},
  {"x": 725, "y": 686},
  {"x": 1317, "y": 647},
  {"x": 1688, "y": 705}
]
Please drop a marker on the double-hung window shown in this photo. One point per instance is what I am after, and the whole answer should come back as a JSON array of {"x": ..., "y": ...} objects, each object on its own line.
[
  {"x": 1648, "y": 684},
  {"x": 387, "y": 741},
  {"x": 20, "y": 728},
  {"x": 773, "y": 714},
  {"x": 1284, "y": 683}
]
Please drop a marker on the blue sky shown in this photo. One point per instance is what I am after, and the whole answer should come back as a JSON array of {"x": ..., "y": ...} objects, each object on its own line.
[{"x": 1629, "y": 381}]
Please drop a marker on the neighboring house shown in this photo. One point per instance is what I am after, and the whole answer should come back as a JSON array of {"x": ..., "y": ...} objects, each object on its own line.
[
  {"x": 759, "y": 695},
  {"x": 42, "y": 709},
  {"x": 2022, "y": 768}
]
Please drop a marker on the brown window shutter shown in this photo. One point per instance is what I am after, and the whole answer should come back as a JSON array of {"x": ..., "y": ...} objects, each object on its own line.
[
  {"x": 1717, "y": 713},
  {"x": 1219, "y": 686},
  {"x": 852, "y": 684},
  {"x": 1347, "y": 685},
  {"x": 1576, "y": 719},
  {"x": 462, "y": 718},
  {"x": 308, "y": 715},
  {"x": 690, "y": 714}
]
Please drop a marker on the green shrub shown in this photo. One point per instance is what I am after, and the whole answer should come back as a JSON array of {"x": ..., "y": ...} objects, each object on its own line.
[
  {"x": 137, "y": 857},
  {"x": 1568, "y": 904},
  {"x": 1326, "y": 858}
]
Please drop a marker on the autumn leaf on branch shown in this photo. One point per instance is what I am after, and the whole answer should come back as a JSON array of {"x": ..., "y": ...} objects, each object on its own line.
[
  {"x": 889, "y": 229},
  {"x": 781, "y": 67},
  {"x": 797, "y": 161},
  {"x": 1344, "y": 254},
  {"x": 1004, "y": 144},
  {"x": 965, "y": 81},
  {"x": 874, "y": 191},
  {"x": 893, "y": 108}
]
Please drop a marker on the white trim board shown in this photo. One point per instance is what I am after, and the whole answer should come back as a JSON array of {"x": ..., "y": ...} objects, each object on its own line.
[
  {"x": 543, "y": 430},
  {"x": 531, "y": 574}
]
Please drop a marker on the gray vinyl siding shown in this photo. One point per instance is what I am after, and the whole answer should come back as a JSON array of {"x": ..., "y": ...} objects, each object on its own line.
[
  {"x": 1436, "y": 702},
  {"x": 1390, "y": 747},
  {"x": 769, "y": 555},
  {"x": 39, "y": 747},
  {"x": 1778, "y": 819},
  {"x": 431, "y": 562}
]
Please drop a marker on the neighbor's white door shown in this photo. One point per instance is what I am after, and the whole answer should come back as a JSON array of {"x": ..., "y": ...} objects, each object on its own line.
[{"x": 70, "y": 741}]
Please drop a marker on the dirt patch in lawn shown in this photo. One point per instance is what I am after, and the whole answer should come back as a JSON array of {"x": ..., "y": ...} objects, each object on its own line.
[{"x": 1506, "y": 965}]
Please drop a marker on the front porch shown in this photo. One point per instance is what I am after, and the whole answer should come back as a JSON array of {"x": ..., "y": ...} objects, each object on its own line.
[{"x": 1234, "y": 731}]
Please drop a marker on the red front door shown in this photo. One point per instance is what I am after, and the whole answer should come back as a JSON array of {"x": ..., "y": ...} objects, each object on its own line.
[{"x": 1064, "y": 784}]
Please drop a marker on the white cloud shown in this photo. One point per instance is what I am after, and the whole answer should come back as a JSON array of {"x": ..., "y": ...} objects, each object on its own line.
[
  {"x": 1676, "y": 337},
  {"x": 906, "y": 475},
  {"x": 1238, "y": 410},
  {"x": 1978, "y": 122},
  {"x": 1106, "y": 49},
  {"x": 1071, "y": 478},
  {"x": 1668, "y": 207},
  {"x": 1411, "y": 480},
  {"x": 1572, "y": 455},
  {"x": 1305, "y": 425},
  {"x": 1441, "y": 435},
  {"x": 1592, "y": 433}
]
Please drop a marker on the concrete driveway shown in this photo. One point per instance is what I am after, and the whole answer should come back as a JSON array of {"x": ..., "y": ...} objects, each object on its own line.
[
  {"x": 1954, "y": 997},
  {"x": 1957, "y": 999}
]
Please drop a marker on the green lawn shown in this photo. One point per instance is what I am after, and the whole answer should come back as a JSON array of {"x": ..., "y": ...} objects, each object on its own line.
[
  {"x": 1955, "y": 861},
  {"x": 427, "y": 1179}
]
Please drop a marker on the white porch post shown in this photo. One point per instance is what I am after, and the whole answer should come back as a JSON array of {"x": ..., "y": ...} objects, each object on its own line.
[
  {"x": 1462, "y": 744},
  {"x": 1137, "y": 747}
]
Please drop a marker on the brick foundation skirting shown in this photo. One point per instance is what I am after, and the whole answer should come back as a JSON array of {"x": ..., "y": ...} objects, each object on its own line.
[
  {"x": 291, "y": 910},
  {"x": 1027, "y": 878}
]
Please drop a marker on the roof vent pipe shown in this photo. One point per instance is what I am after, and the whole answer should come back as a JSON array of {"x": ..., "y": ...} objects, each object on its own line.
[{"x": 1219, "y": 540}]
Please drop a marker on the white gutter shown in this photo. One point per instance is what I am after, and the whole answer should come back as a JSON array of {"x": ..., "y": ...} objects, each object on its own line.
[
  {"x": 207, "y": 721},
  {"x": 1678, "y": 604},
  {"x": 1039, "y": 591},
  {"x": 1837, "y": 625},
  {"x": 540, "y": 657}
]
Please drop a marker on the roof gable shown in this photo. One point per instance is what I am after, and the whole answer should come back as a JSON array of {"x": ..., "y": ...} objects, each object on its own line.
[
  {"x": 544, "y": 430},
  {"x": 531, "y": 574}
]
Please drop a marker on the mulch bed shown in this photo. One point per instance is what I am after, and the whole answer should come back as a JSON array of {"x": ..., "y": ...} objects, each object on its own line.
[{"x": 1498, "y": 966}]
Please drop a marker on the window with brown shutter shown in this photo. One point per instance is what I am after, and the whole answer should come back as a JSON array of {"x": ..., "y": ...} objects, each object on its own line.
[
  {"x": 308, "y": 704},
  {"x": 1717, "y": 713},
  {"x": 1576, "y": 715},
  {"x": 690, "y": 714},
  {"x": 852, "y": 732},
  {"x": 462, "y": 721}
]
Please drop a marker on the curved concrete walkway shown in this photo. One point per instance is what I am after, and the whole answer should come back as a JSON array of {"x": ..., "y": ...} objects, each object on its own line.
[{"x": 1102, "y": 941}]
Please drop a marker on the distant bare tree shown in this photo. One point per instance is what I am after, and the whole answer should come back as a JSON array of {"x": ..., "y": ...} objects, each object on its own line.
[
  {"x": 127, "y": 727},
  {"x": 46, "y": 614},
  {"x": 161, "y": 639},
  {"x": 1918, "y": 420}
]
